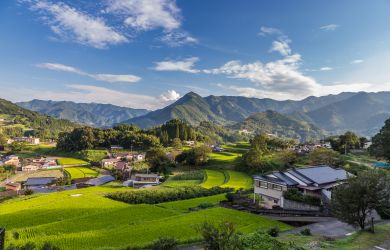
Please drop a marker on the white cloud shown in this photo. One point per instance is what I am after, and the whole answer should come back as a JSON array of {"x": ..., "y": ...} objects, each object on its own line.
[
  {"x": 71, "y": 24},
  {"x": 100, "y": 77},
  {"x": 270, "y": 31},
  {"x": 281, "y": 76},
  {"x": 329, "y": 27},
  {"x": 185, "y": 65},
  {"x": 282, "y": 47},
  {"x": 116, "y": 78},
  {"x": 60, "y": 67},
  {"x": 178, "y": 38},
  {"x": 147, "y": 14},
  {"x": 326, "y": 69},
  {"x": 170, "y": 95},
  {"x": 357, "y": 61}
]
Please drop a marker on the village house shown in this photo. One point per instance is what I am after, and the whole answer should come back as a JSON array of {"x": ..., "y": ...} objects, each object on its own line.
[
  {"x": 314, "y": 180},
  {"x": 10, "y": 160},
  {"x": 31, "y": 167},
  {"x": 109, "y": 162},
  {"x": 142, "y": 180},
  {"x": 14, "y": 186},
  {"x": 29, "y": 140},
  {"x": 35, "y": 183}
]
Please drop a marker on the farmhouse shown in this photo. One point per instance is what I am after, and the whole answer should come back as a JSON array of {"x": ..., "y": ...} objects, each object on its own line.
[
  {"x": 10, "y": 160},
  {"x": 29, "y": 140},
  {"x": 39, "y": 182},
  {"x": 314, "y": 180},
  {"x": 141, "y": 180},
  {"x": 31, "y": 167},
  {"x": 109, "y": 162},
  {"x": 13, "y": 186}
]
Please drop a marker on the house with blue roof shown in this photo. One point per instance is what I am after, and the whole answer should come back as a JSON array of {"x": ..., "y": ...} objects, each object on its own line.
[{"x": 313, "y": 180}]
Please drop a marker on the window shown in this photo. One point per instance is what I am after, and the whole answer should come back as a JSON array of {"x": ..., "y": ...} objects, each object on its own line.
[
  {"x": 263, "y": 184},
  {"x": 277, "y": 187},
  {"x": 276, "y": 201}
]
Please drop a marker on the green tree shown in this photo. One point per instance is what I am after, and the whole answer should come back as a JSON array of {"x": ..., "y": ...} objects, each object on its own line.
[
  {"x": 381, "y": 142},
  {"x": 176, "y": 143},
  {"x": 18, "y": 146},
  {"x": 3, "y": 139},
  {"x": 220, "y": 237},
  {"x": 353, "y": 201},
  {"x": 158, "y": 160},
  {"x": 324, "y": 156}
]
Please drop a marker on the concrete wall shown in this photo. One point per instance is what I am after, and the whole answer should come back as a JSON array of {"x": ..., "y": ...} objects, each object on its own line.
[{"x": 294, "y": 205}]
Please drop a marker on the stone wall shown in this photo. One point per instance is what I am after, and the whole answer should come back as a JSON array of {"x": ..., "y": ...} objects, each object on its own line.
[{"x": 294, "y": 205}]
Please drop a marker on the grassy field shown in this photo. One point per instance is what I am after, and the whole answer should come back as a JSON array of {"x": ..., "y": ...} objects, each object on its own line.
[
  {"x": 84, "y": 219},
  {"x": 238, "y": 180},
  {"x": 80, "y": 172},
  {"x": 180, "y": 183},
  {"x": 213, "y": 178},
  {"x": 71, "y": 161}
]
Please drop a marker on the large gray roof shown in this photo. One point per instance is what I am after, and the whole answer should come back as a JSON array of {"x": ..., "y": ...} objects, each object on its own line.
[
  {"x": 100, "y": 180},
  {"x": 323, "y": 174},
  {"x": 41, "y": 181}
]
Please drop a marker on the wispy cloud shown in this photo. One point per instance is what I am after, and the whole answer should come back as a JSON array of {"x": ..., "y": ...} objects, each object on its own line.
[
  {"x": 186, "y": 65},
  {"x": 329, "y": 27},
  {"x": 326, "y": 69},
  {"x": 357, "y": 61},
  {"x": 282, "y": 47},
  {"x": 264, "y": 31},
  {"x": 100, "y": 77},
  {"x": 170, "y": 95},
  {"x": 71, "y": 24}
]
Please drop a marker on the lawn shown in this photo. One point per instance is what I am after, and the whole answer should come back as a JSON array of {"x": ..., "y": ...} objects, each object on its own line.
[
  {"x": 238, "y": 180},
  {"x": 81, "y": 172},
  {"x": 83, "y": 219},
  {"x": 213, "y": 178},
  {"x": 71, "y": 161}
]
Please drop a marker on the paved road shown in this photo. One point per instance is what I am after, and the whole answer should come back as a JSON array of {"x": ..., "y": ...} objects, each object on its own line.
[
  {"x": 331, "y": 228},
  {"x": 384, "y": 246}
]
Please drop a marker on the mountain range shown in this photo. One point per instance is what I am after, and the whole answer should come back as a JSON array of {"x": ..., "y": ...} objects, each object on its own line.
[
  {"x": 92, "y": 114},
  {"x": 362, "y": 112}
]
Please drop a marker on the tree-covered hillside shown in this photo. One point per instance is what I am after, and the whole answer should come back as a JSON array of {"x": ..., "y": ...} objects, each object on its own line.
[
  {"x": 17, "y": 121},
  {"x": 92, "y": 114},
  {"x": 272, "y": 122}
]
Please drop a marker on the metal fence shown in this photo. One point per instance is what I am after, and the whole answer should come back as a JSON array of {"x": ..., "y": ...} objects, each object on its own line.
[{"x": 2, "y": 238}]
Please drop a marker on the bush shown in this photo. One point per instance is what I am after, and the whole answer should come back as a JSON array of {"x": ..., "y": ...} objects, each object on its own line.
[
  {"x": 194, "y": 175},
  {"x": 306, "y": 232},
  {"x": 28, "y": 192},
  {"x": 294, "y": 195},
  {"x": 223, "y": 236},
  {"x": 273, "y": 231},
  {"x": 48, "y": 246},
  {"x": 165, "y": 244},
  {"x": 165, "y": 195},
  {"x": 15, "y": 235}
]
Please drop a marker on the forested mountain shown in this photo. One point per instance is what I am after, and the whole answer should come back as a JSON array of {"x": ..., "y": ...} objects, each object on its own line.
[
  {"x": 361, "y": 112},
  {"x": 93, "y": 114},
  {"x": 17, "y": 121},
  {"x": 272, "y": 122}
]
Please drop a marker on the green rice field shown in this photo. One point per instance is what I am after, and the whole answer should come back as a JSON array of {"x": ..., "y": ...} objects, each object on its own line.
[
  {"x": 84, "y": 219},
  {"x": 80, "y": 172},
  {"x": 71, "y": 161}
]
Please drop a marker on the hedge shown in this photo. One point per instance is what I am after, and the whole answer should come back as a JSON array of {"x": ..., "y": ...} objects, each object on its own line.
[{"x": 165, "y": 195}]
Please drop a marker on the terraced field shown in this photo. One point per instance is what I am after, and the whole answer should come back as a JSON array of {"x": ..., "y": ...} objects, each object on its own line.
[
  {"x": 238, "y": 180},
  {"x": 213, "y": 178},
  {"x": 84, "y": 219},
  {"x": 71, "y": 161},
  {"x": 80, "y": 172}
]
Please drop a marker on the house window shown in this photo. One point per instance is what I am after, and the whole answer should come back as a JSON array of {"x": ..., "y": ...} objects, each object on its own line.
[
  {"x": 276, "y": 201},
  {"x": 277, "y": 187},
  {"x": 263, "y": 184}
]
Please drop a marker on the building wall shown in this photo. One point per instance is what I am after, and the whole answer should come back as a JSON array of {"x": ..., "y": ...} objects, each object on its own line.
[{"x": 270, "y": 195}]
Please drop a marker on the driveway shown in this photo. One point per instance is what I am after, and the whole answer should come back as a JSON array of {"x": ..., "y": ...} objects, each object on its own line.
[{"x": 332, "y": 228}]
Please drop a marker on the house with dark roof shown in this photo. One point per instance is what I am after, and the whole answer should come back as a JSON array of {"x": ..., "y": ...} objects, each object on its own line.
[
  {"x": 100, "y": 180},
  {"x": 313, "y": 180},
  {"x": 39, "y": 182}
]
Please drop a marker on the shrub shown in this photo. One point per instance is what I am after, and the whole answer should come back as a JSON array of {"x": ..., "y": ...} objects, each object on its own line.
[
  {"x": 223, "y": 236},
  {"x": 28, "y": 192},
  {"x": 294, "y": 195},
  {"x": 15, "y": 235},
  {"x": 306, "y": 232},
  {"x": 49, "y": 246},
  {"x": 165, "y": 244},
  {"x": 165, "y": 195},
  {"x": 27, "y": 246},
  {"x": 273, "y": 231},
  {"x": 194, "y": 175}
]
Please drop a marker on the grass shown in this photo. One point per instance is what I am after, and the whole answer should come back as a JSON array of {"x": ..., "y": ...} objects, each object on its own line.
[
  {"x": 238, "y": 180},
  {"x": 84, "y": 219},
  {"x": 213, "y": 178},
  {"x": 71, "y": 161},
  {"x": 180, "y": 183},
  {"x": 80, "y": 172}
]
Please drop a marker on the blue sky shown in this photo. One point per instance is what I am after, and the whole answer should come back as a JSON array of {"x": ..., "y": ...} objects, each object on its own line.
[{"x": 148, "y": 53}]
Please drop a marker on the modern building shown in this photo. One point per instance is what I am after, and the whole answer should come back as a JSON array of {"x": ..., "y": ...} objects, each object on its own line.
[{"x": 314, "y": 180}]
